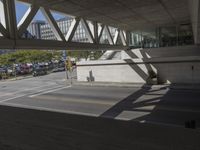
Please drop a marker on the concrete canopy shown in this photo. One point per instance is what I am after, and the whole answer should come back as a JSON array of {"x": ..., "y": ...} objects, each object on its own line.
[{"x": 125, "y": 14}]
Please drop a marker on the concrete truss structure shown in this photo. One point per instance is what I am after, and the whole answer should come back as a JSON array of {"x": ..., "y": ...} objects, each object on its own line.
[
  {"x": 125, "y": 15},
  {"x": 12, "y": 32}
]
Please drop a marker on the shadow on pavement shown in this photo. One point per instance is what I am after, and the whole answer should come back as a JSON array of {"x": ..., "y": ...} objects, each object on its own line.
[
  {"x": 125, "y": 104},
  {"x": 24, "y": 129},
  {"x": 162, "y": 106}
]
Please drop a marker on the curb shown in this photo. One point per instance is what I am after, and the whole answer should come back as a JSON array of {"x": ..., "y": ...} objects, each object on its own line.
[
  {"x": 124, "y": 85},
  {"x": 185, "y": 87},
  {"x": 138, "y": 85},
  {"x": 111, "y": 84},
  {"x": 17, "y": 79}
]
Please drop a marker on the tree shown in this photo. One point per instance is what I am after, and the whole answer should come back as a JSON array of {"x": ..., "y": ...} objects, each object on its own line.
[
  {"x": 85, "y": 54},
  {"x": 27, "y": 56}
]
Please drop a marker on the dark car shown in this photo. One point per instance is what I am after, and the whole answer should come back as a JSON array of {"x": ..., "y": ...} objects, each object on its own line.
[
  {"x": 39, "y": 71},
  {"x": 2, "y": 70},
  {"x": 58, "y": 67},
  {"x": 3, "y": 73},
  {"x": 24, "y": 69}
]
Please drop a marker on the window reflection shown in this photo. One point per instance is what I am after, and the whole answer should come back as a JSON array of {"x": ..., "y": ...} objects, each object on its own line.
[{"x": 163, "y": 37}]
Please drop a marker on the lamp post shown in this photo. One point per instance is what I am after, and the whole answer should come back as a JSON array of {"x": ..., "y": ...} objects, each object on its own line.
[{"x": 64, "y": 55}]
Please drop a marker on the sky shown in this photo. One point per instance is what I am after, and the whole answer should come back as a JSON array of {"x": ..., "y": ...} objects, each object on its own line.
[{"x": 21, "y": 8}]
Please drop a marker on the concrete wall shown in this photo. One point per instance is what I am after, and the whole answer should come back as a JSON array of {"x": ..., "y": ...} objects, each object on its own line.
[
  {"x": 172, "y": 65},
  {"x": 179, "y": 72},
  {"x": 109, "y": 71}
]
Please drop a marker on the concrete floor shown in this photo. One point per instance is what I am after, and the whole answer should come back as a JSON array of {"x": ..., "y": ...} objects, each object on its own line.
[{"x": 95, "y": 113}]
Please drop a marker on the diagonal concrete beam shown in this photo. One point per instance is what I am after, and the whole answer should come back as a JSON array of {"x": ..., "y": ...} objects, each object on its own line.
[
  {"x": 123, "y": 38},
  {"x": 87, "y": 31},
  {"x": 116, "y": 36},
  {"x": 2, "y": 14},
  {"x": 53, "y": 24},
  {"x": 100, "y": 32},
  {"x": 110, "y": 39},
  {"x": 72, "y": 29},
  {"x": 3, "y": 31},
  {"x": 10, "y": 18},
  {"x": 26, "y": 19}
]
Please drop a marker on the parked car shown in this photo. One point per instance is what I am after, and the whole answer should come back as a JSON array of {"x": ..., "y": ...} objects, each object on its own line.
[
  {"x": 58, "y": 67},
  {"x": 39, "y": 70},
  {"x": 24, "y": 69},
  {"x": 2, "y": 70},
  {"x": 10, "y": 71},
  {"x": 3, "y": 73}
]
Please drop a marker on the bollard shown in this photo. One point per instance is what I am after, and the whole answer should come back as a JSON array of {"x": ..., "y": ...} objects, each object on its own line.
[{"x": 190, "y": 124}]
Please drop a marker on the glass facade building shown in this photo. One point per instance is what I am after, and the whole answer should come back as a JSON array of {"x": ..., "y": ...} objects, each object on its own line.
[{"x": 163, "y": 37}]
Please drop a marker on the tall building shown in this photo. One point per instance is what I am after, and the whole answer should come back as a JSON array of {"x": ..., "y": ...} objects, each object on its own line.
[
  {"x": 35, "y": 29},
  {"x": 64, "y": 24},
  {"x": 42, "y": 30}
]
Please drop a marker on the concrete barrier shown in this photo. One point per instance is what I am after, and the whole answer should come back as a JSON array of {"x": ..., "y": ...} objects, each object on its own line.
[{"x": 179, "y": 65}]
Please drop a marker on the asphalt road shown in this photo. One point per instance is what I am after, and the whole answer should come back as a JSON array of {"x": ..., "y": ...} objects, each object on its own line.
[
  {"x": 157, "y": 105},
  {"x": 47, "y": 113}
]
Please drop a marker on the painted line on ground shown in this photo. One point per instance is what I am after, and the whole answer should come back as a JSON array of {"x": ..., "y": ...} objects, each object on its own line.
[
  {"x": 49, "y": 91},
  {"x": 73, "y": 100},
  {"x": 8, "y": 99},
  {"x": 43, "y": 90},
  {"x": 29, "y": 89}
]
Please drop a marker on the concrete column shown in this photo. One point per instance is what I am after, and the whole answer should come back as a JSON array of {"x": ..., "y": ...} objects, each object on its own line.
[
  {"x": 10, "y": 15},
  {"x": 95, "y": 32},
  {"x": 129, "y": 38},
  {"x": 195, "y": 19}
]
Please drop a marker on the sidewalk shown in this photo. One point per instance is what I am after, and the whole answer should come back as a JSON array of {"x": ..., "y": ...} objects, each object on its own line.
[
  {"x": 140, "y": 85},
  {"x": 117, "y": 84},
  {"x": 17, "y": 78}
]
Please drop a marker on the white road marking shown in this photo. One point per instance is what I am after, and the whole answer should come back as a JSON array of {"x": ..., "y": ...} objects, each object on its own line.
[
  {"x": 29, "y": 89},
  {"x": 49, "y": 91},
  {"x": 82, "y": 100},
  {"x": 8, "y": 99},
  {"x": 43, "y": 92}
]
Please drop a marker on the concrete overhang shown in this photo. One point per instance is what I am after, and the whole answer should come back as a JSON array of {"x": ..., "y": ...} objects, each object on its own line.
[{"x": 125, "y": 14}]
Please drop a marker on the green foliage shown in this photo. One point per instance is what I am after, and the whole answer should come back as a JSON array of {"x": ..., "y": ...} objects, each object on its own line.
[
  {"x": 33, "y": 56},
  {"x": 27, "y": 56},
  {"x": 85, "y": 54},
  {"x": 98, "y": 54}
]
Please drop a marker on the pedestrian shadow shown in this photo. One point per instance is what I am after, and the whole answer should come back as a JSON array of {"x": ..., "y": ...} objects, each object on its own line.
[{"x": 91, "y": 77}]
